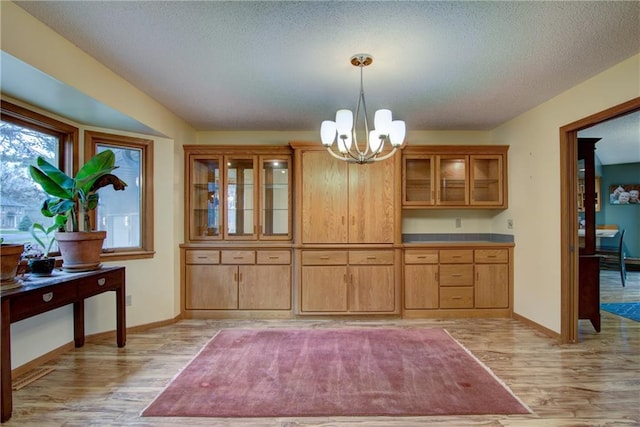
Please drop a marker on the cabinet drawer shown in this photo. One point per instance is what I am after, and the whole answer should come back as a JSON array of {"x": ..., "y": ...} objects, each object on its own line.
[
  {"x": 456, "y": 275},
  {"x": 324, "y": 257},
  {"x": 42, "y": 300},
  {"x": 99, "y": 284},
  {"x": 421, "y": 256},
  {"x": 455, "y": 256},
  {"x": 456, "y": 297},
  {"x": 498, "y": 256},
  {"x": 238, "y": 257},
  {"x": 192, "y": 256},
  {"x": 274, "y": 257},
  {"x": 371, "y": 257}
]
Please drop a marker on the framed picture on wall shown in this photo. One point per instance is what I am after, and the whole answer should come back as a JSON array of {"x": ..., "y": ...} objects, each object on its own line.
[{"x": 624, "y": 194}]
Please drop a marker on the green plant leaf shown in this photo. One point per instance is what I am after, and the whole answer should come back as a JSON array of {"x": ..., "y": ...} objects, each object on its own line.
[
  {"x": 49, "y": 185},
  {"x": 99, "y": 165}
]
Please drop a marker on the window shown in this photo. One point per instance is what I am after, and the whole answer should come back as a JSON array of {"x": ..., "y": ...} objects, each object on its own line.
[
  {"x": 25, "y": 135},
  {"x": 127, "y": 215}
]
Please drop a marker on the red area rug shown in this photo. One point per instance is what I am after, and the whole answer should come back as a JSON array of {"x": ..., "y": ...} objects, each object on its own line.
[{"x": 339, "y": 372}]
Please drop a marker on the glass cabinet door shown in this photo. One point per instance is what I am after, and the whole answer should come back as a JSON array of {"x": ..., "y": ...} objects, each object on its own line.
[
  {"x": 486, "y": 180},
  {"x": 204, "y": 203},
  {"x": 275, "y": 184},
  {"x": 240, "y": 183},
  {"x": 453, "y": 180},
  {"x": 418, "y": 178}
]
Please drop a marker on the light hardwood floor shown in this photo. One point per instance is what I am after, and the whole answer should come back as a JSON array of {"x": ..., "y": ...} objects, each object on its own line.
[{"x": 595, "y": 382}]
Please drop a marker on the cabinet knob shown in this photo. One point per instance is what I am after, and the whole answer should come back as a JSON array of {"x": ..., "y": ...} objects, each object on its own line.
[
  {"x": 47, "y": 297},
  {"x": 102, "y": 281}
]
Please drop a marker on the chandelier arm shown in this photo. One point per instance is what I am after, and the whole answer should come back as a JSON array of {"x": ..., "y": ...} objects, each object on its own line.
[
  {"x": 344, "y": 158},
  {"x": 386, "y": 156},
  {"x": 365, "y": 152}
]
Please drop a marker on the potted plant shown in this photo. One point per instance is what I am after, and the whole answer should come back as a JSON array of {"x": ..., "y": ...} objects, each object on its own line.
[
  {"x": 42, "y": 264},
  {"x": 73, "y": 199},
  {"x": 10, "y": 254}
]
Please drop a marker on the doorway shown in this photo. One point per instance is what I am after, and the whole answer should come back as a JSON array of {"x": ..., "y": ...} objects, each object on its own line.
[{"x": 569, "y": 214}]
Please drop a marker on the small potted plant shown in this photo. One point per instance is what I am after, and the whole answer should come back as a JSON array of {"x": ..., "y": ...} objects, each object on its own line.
[
  {"x": 42, "y": 264},
  {"x": 73, "y": 199}
]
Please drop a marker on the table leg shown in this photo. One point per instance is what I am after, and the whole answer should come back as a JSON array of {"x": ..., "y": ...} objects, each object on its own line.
[
  {"x": 121, "y": 324},
  {"x": 78, "y": 323},
  {"x": 6, "y": 398}
]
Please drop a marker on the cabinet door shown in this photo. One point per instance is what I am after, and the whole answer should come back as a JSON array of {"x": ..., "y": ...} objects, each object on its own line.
[
  {"x": 264, "y": 287},
  {"x": 486, "y": 180},
  {"x": 211, "y": 287},
  {"x": 371, "y": 202},
  {"x": 204, "y": 211},
  {"x": 324, "y": 288},
  {"x": 418, "y": 187},
  {"x": 453, "y": 180},
  {"x": 324, "y": 198},
  {"x": 492, "y": 286},
  {"x": 371, "y": 289},
  {"x": 275, "y": 202},
  {"x": 241, "y": 201},
  {"x": 421, "y": 286}
]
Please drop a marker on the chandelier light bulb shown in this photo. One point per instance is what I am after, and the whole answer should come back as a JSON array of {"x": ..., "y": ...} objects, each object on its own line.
[
  {"x": 382, "y": 121},
  {"x": 328, "y": 132},
  {"x": 397, "y": 133},
  {"x": 344, "y": 121}
]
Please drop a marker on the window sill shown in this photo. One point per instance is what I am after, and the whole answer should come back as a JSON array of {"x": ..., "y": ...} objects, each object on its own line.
[{"x": 126, "y": 255}]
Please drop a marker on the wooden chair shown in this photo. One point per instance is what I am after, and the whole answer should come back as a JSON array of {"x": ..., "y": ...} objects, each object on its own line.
[{"x": 621, "y": 258}]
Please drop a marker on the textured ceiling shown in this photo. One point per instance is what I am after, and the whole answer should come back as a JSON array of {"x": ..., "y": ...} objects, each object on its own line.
[{"x": 274, "y": 65}]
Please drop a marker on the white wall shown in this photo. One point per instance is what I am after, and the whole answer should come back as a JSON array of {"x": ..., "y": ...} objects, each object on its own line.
[
  {"x": 152, "y": 283},
  {"x": 534, "y": 184}
]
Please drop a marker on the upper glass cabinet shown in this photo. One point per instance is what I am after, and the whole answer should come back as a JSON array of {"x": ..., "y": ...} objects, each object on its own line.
[
  {"x": 455, "y": 177},
  {"x": 418, "y": 179},
  {"x": 237, "y": 196},
  {"x": 275, "y": 187},
  {"x": 204, "y": 212},
  {"x": 240, "y": 185},
  {"x": 452, "y": 180}
]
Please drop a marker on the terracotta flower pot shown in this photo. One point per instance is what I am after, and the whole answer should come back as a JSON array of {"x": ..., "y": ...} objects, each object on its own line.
[
  {"x": 80, "y": 249},
  {"x": 10, "y": 255}
]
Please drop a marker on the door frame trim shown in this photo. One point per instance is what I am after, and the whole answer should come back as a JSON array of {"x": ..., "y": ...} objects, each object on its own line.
[{"x": 569, "y": 214}]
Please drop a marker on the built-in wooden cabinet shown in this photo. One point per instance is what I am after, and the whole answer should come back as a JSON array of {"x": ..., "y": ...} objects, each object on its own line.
[
  {"x": 454, "y": 177},
  {"x": 237, "y": 194},
  {"x": 581, "y": 194},
  {"x": 344, "y": 202},
  {"x": 459, "y": 281},
  {"x": 243, "y": 279},
  {"x": 348, "y": 282},
  {"x": 275, "y": 231},
  {"x": 236, "y": 259}
]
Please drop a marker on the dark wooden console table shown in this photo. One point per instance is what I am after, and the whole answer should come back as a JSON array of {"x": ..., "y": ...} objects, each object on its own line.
[{"x": 41, "y": 294}]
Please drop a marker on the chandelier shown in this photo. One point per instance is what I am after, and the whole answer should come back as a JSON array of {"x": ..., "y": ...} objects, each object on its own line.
[{"x": 342, "y": 132}]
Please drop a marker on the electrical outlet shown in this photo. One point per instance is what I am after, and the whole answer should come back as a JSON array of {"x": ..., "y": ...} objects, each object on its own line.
[
  {"x": 129, "y": 300},
  {"x": 510, "y": 224},
  {"x": 458, "y": 222}
]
